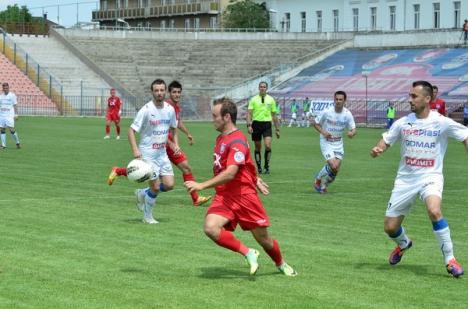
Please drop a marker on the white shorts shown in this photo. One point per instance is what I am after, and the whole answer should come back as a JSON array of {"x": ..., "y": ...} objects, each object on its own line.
[
  {"x": 293, "y": 116},
  {"x": 161, "y": 164},
  {"x": 331, "y": 150},
  {"x": 7, "y": 122},
  {"x": 406, "y": 190}
]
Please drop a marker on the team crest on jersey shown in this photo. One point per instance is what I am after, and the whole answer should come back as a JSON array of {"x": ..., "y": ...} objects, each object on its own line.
[
  {"x": 239, "y": 157},
  {"x": 222, "y": 149}
]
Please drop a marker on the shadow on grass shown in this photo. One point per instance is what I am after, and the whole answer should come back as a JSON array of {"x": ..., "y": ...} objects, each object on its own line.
[
  {"x": 420, "y": 270},
  {"x": 132, "y": 270},
  {"x": 140, "y": 221},
  {"x": 226, "y": 273}
]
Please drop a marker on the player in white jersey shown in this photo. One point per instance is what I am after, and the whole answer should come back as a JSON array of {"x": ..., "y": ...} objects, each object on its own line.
[
  {"x": 331, "y": 124},
  {"x": 8, "y": 115},
  {"x": 423, "y": 135},
  {"x": 153, "y": 122}
]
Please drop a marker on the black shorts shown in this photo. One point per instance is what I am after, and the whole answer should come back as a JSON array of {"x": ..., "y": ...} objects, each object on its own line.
[{"x": 261, "y": 128}]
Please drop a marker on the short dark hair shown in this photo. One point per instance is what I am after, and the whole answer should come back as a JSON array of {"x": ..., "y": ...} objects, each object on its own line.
[
  {"x": 342, "y": 93},
  {"x": 158, "y": 81},
  {"x": 434, "y": 87},
  {"x": 427, "y": 87},
  {"x": 5, "y": 84},
  {"x": 228, "y": 107},
  {"x": 263, "y": 82},
  {"x": 174, "y": 84}
]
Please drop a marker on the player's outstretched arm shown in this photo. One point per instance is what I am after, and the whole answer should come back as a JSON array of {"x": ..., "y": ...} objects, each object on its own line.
[
  {"x": 378, "y": 149},
  {"x": 181, "y": 126},
  {"x": 352, "y": 133},
  {"x": 320, "y": 130}
]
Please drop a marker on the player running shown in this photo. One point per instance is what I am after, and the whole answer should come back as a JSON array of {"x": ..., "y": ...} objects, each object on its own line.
[
  {"x": 236, "y": 200},
  {"x": 179, "y": 159},
  {"x": 113, "y": 114},
  {"x": 424, "y": 136},
  {"x": 8, "y": 115},
  {"x": 153, "y": 122},
  {"x": 331, "y": 124}
]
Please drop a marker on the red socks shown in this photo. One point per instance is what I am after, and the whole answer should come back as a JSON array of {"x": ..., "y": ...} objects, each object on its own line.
[
  {"x": 121, "y": 171},
  {"x": 193, "y": 194},
  {"x": 107, "y": 130},
  {"x": 117, "y": 128},
  {"x": 275, "y": 253},
  {"x": 229, "y": 241}
]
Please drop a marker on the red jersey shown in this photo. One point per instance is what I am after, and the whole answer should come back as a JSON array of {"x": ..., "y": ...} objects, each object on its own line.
[
  {"x": 113, "y": 105},
  {"x": 178, "y": 110},
  {"x": 438, "y": 105},
  {"x": 233, "y": 149}
]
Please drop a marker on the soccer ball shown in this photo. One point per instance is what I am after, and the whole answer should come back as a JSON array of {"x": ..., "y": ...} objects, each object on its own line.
[{"x": 139, "y": 170}]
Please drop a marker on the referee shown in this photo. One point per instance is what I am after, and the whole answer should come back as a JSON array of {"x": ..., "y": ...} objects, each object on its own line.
[{"x": 261, "y": 110}]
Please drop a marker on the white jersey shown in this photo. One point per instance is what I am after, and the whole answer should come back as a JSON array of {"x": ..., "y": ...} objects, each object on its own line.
[
  {"x": 153, "y": 125},
  {"x": 7, "y": 103},
  {"x": 423, "y": 142},
  {"x": 335, "y": 123}
]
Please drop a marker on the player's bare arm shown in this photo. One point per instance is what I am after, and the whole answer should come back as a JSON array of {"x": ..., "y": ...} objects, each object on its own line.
[
  {"x": 465, "y": 142},
  {"x": 15, "y": 109},
  {"x": 320, "y": 130},
  {"x": 181, "y": 126},
  {"x": 225, "y": 176},
  {"x": 133, "y": 144},
  {"x": 262, "y": 186},
  {"x": 379, "y": 148},
  {"x": 249, "y": 121},
  {"x": 352, "y": 133},
  {"x": 174, "y": 145},
  {"x": 277, "y": 124}
]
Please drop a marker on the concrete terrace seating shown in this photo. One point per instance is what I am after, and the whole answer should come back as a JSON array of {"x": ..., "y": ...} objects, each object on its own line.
[
  {"x": 31, "y": 100},
  {"x": 63, "y": 65},
  {"x": 198, "y": 64}
]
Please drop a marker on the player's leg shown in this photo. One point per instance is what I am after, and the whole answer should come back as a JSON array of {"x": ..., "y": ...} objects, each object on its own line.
[
  {"x": 116, "y": 172},
  {"x": 117, "y": 127},
  {"x": 273, "y": 250},
  {"x": 332, "y": 167},
  {"x": 403, "y": 196},
  {"x": 108, "y": 122},
  {"x": 328, "y": 154},
  {"x": 257, "y": 139},
  {"x": 3, "y": 137},
  {"x": 149, "y": 199},
  {"x": 267, "y": 137},
  {"x": 442, "y": 233},
  {"x": 14, "y": 134},
  {"x": 187, "y": 175}
]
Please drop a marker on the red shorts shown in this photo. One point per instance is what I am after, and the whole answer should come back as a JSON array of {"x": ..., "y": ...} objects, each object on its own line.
[
  {"x": 175, "y": 158},
  {"x": 113, "y": 117},
  {"x": 246, "y": 210}
]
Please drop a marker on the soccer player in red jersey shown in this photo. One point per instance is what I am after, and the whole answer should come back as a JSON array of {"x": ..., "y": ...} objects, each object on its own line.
[
  {"x": 437, "y": 104},
  {"x": 113, "y": 113},
  {"x": 236, "y": 200},
  {"x": 179, "y": 159}
]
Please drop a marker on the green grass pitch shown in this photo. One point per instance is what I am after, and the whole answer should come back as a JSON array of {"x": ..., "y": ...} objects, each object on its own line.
[{"x": 67, "y": 239}]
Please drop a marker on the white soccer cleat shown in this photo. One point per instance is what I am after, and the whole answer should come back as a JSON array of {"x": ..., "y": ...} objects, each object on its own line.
[
  {"x": 106, "y": 137},
  {"x": 118, "y": 137},
  {"x": 149, "y": 220},
  {"x": 140, "y": 201}
]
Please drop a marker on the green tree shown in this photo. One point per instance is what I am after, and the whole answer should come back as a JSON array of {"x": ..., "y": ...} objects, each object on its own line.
[
  {"x": 246, "y": 14},
  {"x": 16, "y": 14}
]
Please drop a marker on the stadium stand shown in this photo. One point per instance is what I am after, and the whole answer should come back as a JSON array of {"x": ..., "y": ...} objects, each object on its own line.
[
  {"x": 63, "y": 65},
  {"x": 31, "y": 100},
  {"x": 202, "y": 65},
  {"x": 372, "y": 78}
]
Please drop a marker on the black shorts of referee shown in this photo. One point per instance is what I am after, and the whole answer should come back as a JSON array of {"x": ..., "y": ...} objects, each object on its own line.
[{"x": 261, "y": 129}]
